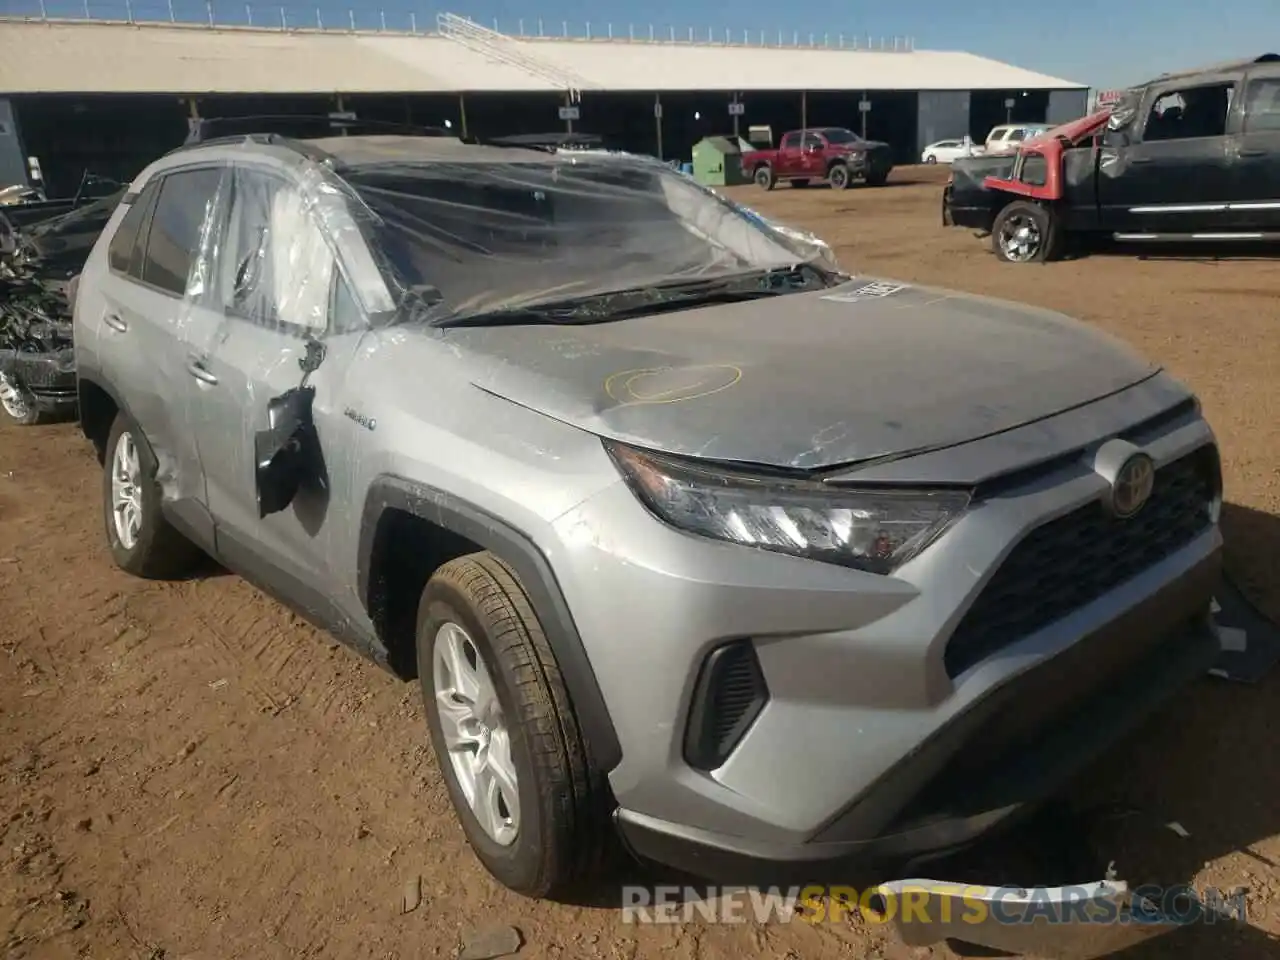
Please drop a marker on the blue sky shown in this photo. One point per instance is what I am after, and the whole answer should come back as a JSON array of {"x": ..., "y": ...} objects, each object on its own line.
[{"x": 1102, "y": 44}]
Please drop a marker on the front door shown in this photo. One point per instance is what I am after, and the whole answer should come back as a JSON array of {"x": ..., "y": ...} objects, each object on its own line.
[
  {"x": 1174, "y": 173},
  {"x": 1255, "y": 199},
  {"x": 279, "y": 288}
]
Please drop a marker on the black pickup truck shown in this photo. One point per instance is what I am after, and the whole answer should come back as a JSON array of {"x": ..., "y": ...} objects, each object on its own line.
[{"x": 1192, "y": 156}]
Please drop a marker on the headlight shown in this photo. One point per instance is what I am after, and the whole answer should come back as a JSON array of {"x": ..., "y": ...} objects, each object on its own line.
[{"x": 874, "y": 530}]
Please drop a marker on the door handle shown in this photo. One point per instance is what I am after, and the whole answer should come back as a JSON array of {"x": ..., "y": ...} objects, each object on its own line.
[
  {"x": 1139, "y": 159},
  {"x": 197, "y": 369},
  {"x": 1251, "y": 152},
  {"x": 115, "y": 322}
]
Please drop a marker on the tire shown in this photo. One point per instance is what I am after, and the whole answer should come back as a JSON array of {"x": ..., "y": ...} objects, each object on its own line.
[
  {"x": 1040, "y": 229},
  {"x": 764, "y": 178},
  {"x": 877, "y": 179},
  {"x": 931, "y": 159},
  {"x": 838, "y": 177},
  {"x": 799, "y": 184},
  {"x": 156, "y": 551},
  {"x": 18, "y": 404},
  {"x": 557, "y": 835}
]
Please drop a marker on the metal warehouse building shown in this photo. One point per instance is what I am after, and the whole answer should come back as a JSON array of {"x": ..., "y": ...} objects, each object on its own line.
[{"x": 110, "y": 96}]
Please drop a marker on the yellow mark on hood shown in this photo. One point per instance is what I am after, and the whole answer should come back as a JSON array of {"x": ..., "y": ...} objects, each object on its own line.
[{"x": 670, "y": 384}]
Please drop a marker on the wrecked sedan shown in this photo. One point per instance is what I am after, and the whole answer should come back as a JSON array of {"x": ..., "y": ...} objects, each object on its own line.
[
  {"x": 38, "y": 265},
  {"x": 687, "y": 535}
]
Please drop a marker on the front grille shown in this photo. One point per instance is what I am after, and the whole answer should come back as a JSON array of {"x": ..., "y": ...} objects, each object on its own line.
[
  {"x": 730, "y": 694},
  {"x": 1075, "y": 559}
]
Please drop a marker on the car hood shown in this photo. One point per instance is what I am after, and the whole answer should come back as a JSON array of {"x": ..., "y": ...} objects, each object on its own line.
[{"x": 867, "y": 370}]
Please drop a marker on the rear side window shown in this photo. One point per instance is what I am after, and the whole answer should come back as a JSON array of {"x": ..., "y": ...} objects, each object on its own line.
[
  {"x": 124, "y": 253},
  {"x": 1262, "y": 106},
  {"x": 174, "y": 239}
]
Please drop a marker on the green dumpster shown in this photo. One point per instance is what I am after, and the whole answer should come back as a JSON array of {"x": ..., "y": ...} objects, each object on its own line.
[{"x": 717, "y": 162}]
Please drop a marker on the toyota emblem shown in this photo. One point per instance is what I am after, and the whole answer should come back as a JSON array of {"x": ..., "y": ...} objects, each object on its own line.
[{"x": 1132, "y": 486}]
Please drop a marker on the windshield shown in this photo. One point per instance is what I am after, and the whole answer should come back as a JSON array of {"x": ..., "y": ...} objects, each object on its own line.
[
  {"x": 486, "y": 236},
  {"x": 838, "y": 135}
]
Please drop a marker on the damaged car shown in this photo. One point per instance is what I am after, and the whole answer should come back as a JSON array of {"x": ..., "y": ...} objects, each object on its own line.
[
  {"x": 1189, "y": 157},
  {"x": 38, "y": 266},
  {"x": 690, "y": 537}
]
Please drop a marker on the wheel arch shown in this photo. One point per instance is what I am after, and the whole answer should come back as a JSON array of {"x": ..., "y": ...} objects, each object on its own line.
[
  {"x": 395, "y": 504},
  {"x": 99, "y": 403}
]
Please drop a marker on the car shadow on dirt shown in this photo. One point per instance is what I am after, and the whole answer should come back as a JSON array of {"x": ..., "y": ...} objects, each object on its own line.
[{"x": 1180, "y": 802}]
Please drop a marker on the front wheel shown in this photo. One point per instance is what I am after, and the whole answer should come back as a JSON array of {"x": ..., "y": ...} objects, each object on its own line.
[
  {"x": 18, "y": 403},
  {"x": 764, "y": 178},
  {"x": 505, "y": 736},
  {"x": 838, "y": 177},
  {"x": 931, "y": 159},
  {"x": 1026, "y": 232}
]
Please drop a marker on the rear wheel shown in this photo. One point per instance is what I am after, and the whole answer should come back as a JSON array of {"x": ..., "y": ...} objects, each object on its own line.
[
  {"x": 142, "y": 541},
  {"x": 838, "y": 177},
  {"x": 530, "y": 801},
  {"x": 764, "y": 178},
  {"x": 1026, "y": 232}
]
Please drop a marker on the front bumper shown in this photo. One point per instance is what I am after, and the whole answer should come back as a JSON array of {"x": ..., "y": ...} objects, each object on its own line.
[
  {"x": 49, "y": 378},
  {"x": 1107, "y": 684}
]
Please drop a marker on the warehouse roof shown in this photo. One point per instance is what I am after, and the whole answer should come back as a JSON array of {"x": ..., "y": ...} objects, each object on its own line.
[{"x": 102, "y": 57}]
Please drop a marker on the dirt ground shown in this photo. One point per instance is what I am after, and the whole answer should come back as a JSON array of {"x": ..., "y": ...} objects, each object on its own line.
[{"x": 188, "y": 771}]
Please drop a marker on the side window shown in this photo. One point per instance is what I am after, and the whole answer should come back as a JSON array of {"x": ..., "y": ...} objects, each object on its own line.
[
  {"x": 1189, "y": 113},
  {"x": 124, "y": 253},
  {"x": 1016, "y": 135},
  {"x": 174, "y": 239},
  {"x": 344, "y": 312},
  {"x": 1035, "y": 170},
  {"x": 814, "y": 142},
  {"x": 277, "y": 267},
  {"x": 1262, "y": 106},
  {"x": 791, "y": 141}
]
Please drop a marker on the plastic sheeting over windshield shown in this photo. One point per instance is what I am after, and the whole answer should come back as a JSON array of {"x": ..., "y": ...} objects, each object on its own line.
[
  {"x": 487, "y": 236},
  {"x": 442, "y": 239}
]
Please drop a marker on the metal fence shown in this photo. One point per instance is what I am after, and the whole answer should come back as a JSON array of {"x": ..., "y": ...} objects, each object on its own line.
[{"x": 336, "y": 18}]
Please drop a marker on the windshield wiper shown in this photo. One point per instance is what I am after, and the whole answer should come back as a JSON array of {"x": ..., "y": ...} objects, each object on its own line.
[{"x": 657, "y": 298}]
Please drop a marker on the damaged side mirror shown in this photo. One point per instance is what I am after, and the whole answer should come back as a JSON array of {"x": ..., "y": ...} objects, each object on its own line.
[
  {"x": 280, "y": 453},
  {"x": 287, "y": 453}
]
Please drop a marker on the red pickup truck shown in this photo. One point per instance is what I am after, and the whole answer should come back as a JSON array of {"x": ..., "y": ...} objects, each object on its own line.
[{"x": 834, "y": 154}]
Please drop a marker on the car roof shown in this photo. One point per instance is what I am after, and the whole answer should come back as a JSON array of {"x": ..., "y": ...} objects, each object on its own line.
[
  {"x": 368, "y": 150},
  {"x": 377, "y": 149}
]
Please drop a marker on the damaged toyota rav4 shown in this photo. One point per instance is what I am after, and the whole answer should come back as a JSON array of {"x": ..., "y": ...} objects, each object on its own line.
[{"x": 688, "y": 536}]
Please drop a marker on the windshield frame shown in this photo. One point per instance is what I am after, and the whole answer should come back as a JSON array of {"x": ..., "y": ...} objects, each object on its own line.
[{"x": 423, "y": 301}]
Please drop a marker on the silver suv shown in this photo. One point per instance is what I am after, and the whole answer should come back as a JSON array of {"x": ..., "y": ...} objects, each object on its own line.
[{"x": 688, "y": 536}]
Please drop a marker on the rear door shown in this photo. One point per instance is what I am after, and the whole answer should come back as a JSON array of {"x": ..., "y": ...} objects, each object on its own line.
[
  {"x": 1255, "y": 199},
  {"x": 791, "y": 155},
  {"x": 149, "y": 324},
  {"x": 1174, "y": 175}
]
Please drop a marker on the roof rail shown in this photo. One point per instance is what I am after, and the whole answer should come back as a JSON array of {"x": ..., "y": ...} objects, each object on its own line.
[
  {"x": 300, "y": 127},
  {"x": 548, "y": 141}
]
